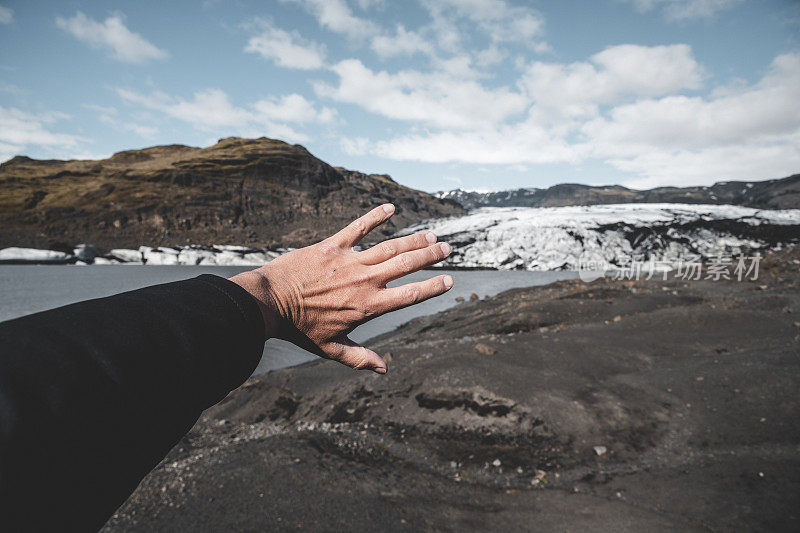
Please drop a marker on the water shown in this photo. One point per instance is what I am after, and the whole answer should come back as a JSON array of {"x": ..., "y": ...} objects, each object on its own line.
[{"x": 29, "y": 289}]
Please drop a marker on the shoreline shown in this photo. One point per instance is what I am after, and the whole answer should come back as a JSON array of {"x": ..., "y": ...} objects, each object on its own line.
[{"x": 645, "y": 405}]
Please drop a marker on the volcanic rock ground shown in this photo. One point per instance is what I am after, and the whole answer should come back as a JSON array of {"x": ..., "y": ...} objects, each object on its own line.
[{"x": 491, "y": 413}]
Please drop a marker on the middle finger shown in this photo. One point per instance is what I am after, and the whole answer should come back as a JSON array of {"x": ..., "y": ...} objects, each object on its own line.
[
  {"x": 412, "y": 261},
  {"x": 388, "y": 249}
]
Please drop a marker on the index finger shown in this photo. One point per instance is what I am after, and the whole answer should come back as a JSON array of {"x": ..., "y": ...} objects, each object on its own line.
[{"x": 360, "y": 227}]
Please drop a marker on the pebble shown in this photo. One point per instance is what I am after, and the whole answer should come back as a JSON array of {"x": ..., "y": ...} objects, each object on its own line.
[
  {"x": 600, "y": 450},
  {"x": 496, "y": 462},
  {"x": 484, "y": 349}
]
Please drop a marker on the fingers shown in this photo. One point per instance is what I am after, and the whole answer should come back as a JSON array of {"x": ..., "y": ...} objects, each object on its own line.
[
  {"x": 412, "y": 293},
  {"x": 351, "y": 354},
  {"x": 356, "y": 230},
  {"x": 409, "y": 262},
  {"x": 394, "y": 247}
]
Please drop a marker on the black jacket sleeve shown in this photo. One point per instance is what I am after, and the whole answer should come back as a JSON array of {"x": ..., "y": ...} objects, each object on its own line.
[{"x": 93, "y": 395}]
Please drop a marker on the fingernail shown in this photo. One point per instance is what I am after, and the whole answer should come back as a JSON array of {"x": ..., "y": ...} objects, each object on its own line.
[
  {"x": 388, "y": 208},
  {"x": 448, "y": 282},
  {"x": 445, "y": 248},
  {"x": 430, "y": 237},
  {"x": 380, "y": 370}
]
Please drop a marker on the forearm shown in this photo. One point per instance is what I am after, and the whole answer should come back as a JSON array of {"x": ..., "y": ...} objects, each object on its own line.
[{"x": 97, "y": 393}]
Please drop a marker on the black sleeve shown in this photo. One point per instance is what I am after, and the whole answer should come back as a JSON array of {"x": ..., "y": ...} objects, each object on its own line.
[{"x": 93, "y": 395}]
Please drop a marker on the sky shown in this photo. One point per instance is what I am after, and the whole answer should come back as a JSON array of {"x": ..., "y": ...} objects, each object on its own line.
[{"x": 440, "y": 94}]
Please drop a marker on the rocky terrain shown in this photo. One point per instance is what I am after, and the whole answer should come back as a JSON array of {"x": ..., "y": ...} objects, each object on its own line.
[
  {"x": 250, "y": 192},
  {"x": 770, "y": 194},
  {"x": 611, "y": 236},
  {"x": 606, "y": 406}
]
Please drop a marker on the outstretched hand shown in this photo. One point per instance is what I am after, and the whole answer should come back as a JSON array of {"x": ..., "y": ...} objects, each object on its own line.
[{"x": 315, "y": 296}]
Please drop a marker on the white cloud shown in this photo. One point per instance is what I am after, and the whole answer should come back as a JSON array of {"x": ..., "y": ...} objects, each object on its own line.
[
  {"x": 438, "y": 98},
  {"x": 680, "y": 10},
  {"x": 748, "y": 161},
  {"x": 293, "y": 108},
  {"x": 677, "y": 139},
  {"x": 20, "y": 130},
  {"x": 403, "y": 42},
  {"x": 526, "y": 142},
  {"x": 6, "y": 15},
  {"x": 108, "y": 115},
  {"x": 501, "y": 21},
  {"x": 211, "y": 110},
  {"x": 355, "y": 146},
  {"x": 286, "y": 49},
  {"x": 337, "y": 16},
  {"x": 615, "y": 72},
  {"x": 627, "y": 105},
  {"x": 111, "y": 35}
]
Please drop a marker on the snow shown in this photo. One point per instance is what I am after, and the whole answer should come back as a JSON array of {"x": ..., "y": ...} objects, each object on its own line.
[
  {"x": 126, "y": 256},
  {"x": 560, "y": 238},
  {"x": 33, "y": 255}
]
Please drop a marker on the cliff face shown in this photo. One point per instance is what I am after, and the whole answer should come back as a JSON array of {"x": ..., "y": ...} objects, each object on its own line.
[
  {"x": 258, "y": 192},
  {"x": 771, "y": 194}
]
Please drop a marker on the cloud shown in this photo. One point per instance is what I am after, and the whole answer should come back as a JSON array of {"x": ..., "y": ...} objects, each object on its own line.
[
  {"x": 677, "y": 139},
  {"x": 6, "y": 15},
  {"x": 617, "y": 71},
  {"x": 285, "y": 49},
  {"x": 112, "y": 36},
  {"x": 108, "y": 115},
  {"x": 211, "y": 110},
  {"x": 336, "y": 16},
  {"x": 681, "y": 10},
  {"x": 402, "y": 43},
  {"x": 501, "y": 21},
  {"x": 293, "y": 108},
  {"x": 20, "y": 130},
  {"x": 437, "y": 98},
  {"x": 630, "y": 106},
  {"x": 525, "y": 142}
]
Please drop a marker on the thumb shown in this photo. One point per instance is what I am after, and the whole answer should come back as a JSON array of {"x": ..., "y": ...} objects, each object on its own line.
[{"x": 355, "y": 356}]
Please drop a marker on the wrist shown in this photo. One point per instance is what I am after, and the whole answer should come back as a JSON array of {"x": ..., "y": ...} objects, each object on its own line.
[{"x": 258, "y": 286}]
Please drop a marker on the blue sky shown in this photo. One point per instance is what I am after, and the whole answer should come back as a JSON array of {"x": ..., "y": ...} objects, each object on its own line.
[{"x": 479, "y": 94}]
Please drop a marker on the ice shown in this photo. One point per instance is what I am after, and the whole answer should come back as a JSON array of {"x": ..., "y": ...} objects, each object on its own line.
[
  {"x": 560, "y": 238},
  {"x": 33, "y": 255}
]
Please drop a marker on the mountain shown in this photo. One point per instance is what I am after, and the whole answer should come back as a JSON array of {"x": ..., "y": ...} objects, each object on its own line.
[
  {"x": 255, "y": 192},
  {"x": 771, "y": 194}
]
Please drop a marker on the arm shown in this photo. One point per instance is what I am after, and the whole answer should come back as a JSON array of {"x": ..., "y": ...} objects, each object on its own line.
[{"x": 93, "y": 395}]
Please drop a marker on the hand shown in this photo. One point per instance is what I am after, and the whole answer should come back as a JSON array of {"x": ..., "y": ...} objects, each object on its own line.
[{"x": 315, "y": 296}]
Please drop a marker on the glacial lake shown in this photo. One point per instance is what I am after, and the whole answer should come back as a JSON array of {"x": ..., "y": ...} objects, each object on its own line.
[{"x": 28, "y": 289}]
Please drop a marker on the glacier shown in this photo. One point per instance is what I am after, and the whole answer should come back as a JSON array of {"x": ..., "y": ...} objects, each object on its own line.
[
  {"x": 562, "y": 238},
  {"x": 608, "y": 237}
]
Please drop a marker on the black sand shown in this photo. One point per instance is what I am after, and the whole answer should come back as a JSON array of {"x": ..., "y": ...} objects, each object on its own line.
[{"x": 491, "y": 412}]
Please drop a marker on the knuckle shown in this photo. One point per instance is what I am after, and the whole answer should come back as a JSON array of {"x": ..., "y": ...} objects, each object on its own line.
[
  {"x": 388, "y": 250},
  {"x": 366, "y": 311},
  {"x": 358, "y": 226},
  {"x": 363, "y": 277},
  {"x": 411, "y": 295},
  {"x": 406, "y": 262},
  {"x": 327, "y": 248},
  {"x": 362, "y": 361}
]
